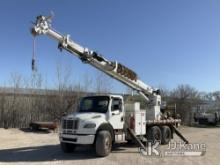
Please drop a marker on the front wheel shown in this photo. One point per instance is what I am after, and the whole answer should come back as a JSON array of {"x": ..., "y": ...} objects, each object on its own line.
[
  {"x": 103, "y": 144},
  {"x": 67, "y": 147}
]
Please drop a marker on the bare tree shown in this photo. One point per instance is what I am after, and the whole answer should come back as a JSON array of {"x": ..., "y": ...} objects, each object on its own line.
[
  {"x": 63, "y": 77},
  {"x": 185, "y": 97},
  {"x": 87, "y": 83},
  {"x": 36, "y": 103},
  {"x": 13, "y": 102},
  {"x": 103, "y": 83},
  {"x": 2, "y": 117},
  {"x": 63, "y": 100}
]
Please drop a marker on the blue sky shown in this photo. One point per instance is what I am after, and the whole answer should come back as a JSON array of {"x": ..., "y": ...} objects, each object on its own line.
[{"x": 166, "y": 42}]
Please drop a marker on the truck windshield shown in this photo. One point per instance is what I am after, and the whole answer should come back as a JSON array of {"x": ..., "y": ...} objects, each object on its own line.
[{"x": 94, "y": 104}]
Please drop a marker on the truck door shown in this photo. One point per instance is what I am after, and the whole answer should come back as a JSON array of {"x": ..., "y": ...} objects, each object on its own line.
[{"x": 117, "y": 114}]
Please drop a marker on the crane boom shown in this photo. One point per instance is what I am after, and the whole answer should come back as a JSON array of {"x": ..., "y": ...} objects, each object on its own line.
[{"x": 111, "y": 68}]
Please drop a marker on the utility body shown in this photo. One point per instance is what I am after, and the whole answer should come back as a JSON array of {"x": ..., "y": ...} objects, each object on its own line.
[{"x": 107, "y": 119}]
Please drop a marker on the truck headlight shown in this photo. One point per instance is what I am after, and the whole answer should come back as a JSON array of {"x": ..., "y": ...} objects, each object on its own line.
[{"x": 90, "y": 125}]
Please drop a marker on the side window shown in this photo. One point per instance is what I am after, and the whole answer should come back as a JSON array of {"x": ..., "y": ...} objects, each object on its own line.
[{"x": 116, "y": 104}]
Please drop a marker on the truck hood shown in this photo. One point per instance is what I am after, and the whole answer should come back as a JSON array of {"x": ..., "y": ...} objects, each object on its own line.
[{"x": 86, "y": 116}]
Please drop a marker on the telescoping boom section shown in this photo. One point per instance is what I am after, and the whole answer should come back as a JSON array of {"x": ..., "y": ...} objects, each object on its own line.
[{"x": 111, "y": 68}]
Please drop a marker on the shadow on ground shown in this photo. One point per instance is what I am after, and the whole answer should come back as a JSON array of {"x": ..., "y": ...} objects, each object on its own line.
[
  {"x": 53, "y": 153},
  {"x": 44, "y": 153},
  {"x": 38, "y": 131}
]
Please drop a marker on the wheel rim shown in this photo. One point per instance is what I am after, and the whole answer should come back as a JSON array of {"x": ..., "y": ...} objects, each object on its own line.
[{"x": 107, "y": 144}]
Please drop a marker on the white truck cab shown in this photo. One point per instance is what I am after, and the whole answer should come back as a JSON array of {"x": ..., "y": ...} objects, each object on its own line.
[{"x": 96, "y": 114}]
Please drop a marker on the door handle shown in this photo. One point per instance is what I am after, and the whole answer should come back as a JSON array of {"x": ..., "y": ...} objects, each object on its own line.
[{"x": 122, "y": 118}]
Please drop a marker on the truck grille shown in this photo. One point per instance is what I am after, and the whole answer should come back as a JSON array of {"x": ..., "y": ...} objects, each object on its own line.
[{"x": 70, "y": 124}]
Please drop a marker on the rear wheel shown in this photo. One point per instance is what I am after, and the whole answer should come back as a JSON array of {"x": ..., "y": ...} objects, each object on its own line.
[
  {"x": 166, "y": 134},
  {"x": 154, "y": 134},
  {"x": 103, "y": 144},
  {"x": 67, "y": 147}
]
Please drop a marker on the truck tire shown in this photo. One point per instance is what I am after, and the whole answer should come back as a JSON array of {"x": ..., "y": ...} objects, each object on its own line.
[
  {"x": 154, "y": 134},
  {"x": 103, "y": 144},
  {"x": 166, "y": 134},
  {"x": 67, "y": 147}
]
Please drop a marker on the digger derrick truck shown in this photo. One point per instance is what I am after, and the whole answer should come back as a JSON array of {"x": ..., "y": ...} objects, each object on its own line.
[{"x": 107, "y": 119}]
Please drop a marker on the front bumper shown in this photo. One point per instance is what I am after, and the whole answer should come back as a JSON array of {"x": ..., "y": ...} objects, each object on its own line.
[{"x": 77, "y": 139}]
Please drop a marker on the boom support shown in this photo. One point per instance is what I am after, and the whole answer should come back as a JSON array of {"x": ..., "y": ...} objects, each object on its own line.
[{"x": 111, "y": 68}]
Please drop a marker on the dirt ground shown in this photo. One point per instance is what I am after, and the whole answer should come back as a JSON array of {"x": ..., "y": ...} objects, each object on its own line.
[{"x": 24, "y": 147}]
